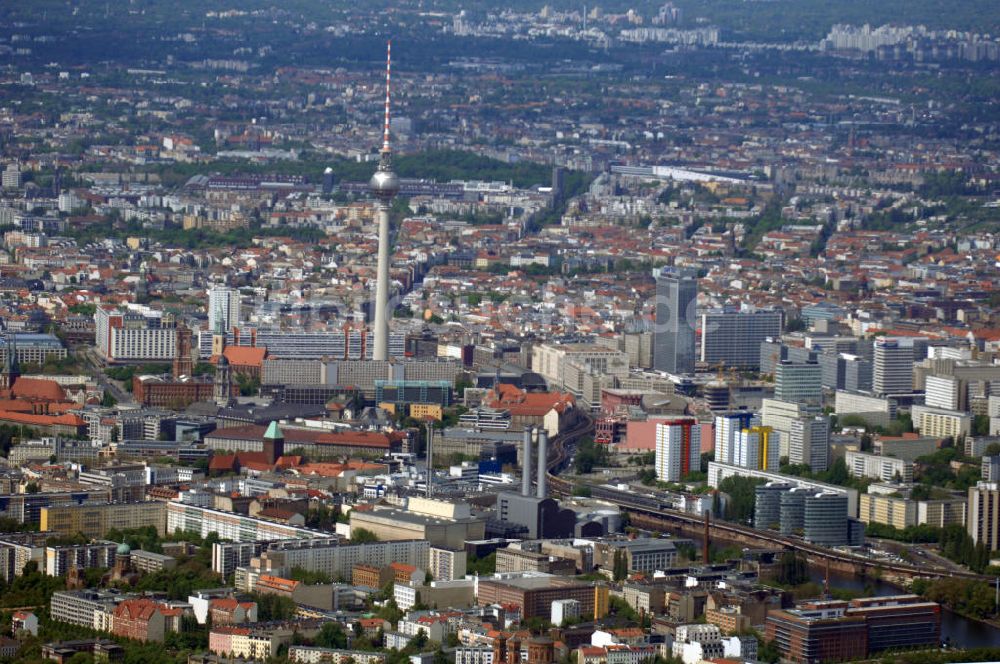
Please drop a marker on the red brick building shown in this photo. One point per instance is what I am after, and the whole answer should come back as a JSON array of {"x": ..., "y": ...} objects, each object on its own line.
[
  {"x": 403, "y": 573},
  {"x": 144, "y": 620},
  {"x": 230, "y": 611},
  {"x": 534, "y": 595},
  {"x": 823, "y": 631},
  {"x": 245, "y": 360},
  {"x": 370, "y": 575},
  {"x": 813, "y": 634},
  {"x": 160, "y": 392},
  {"x": 316, "y": 444}
]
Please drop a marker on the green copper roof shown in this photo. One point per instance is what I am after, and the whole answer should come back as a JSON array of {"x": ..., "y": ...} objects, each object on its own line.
[{"x": 273, "y": 432}]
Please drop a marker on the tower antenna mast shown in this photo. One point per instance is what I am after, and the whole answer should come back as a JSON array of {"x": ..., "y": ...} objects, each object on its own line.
[{"x": 388, "y": 91}]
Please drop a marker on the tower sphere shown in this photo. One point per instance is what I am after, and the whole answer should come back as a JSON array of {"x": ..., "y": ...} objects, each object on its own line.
[{"x": 384, "y": 184}]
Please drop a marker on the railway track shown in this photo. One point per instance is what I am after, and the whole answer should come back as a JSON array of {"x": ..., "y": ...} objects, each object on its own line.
[
  {"x": 560, "y": 450},
  {"x": 654, "y": 508}
]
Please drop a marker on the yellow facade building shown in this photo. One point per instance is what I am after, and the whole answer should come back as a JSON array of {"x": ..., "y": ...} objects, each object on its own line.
[
  {"x": 96, "y": 520},
  {"x": 423, "y": 411}
]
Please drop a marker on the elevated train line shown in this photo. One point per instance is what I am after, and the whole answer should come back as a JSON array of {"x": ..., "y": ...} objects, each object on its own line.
[{"x": 650, "y": 512}]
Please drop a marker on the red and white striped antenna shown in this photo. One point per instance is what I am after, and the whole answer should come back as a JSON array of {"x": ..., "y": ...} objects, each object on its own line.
[{"x": 388, "y": 69}]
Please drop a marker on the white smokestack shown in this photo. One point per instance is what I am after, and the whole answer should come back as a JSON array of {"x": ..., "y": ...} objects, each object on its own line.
[
  {"x": 543, "y": 459},
  {"x": 526, "y": 463}
]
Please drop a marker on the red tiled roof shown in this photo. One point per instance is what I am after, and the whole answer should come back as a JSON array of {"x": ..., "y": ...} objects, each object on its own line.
[
  {"x": 289, "y": 461},
  {"x": 592, "y": 651},
  {"x": 522, "y": 403},
  {"x": 17, "y": 405},
  {"x": 140, "y": 609},
  {"x": 276, "y": 513},
  {"x": 66, "y": 419},
  {"x": 39, "y": 389},
  {"x": 248, "y": 356},
  {"x": 221, "y": 462},
  {"x": 231, "y": 629},
  {"x": 225, "y": 604},
  {"x": 277, "y": 583}
]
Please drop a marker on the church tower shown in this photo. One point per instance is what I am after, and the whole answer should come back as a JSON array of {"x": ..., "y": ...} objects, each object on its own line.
[
  {"x": 274, "y": 443},
  {"x": 142, "y": 285},
  {"x": 219, "y": 333},
  {"x": 12, "y": 367},
  {"x": 223, "y": 372},
  {"x": 223, "y": 382}
]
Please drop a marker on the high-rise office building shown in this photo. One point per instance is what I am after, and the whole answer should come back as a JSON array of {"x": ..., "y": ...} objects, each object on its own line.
[
  {"x": 771, "y": 352},
  {"x": 674, "y": 337},
  {"x": 819, "y": 516},
  {"x": 727, "y": 429},
  {"x": 858, "y": 372},
  {"x": 757, "y": 448},
  {"x": 893, "y": 368},
  {"x": 678, "y": 448},
  {"x": 12, "y": 176},
  {"x": 845, "y": 371},
  {"x": 991, "y": 468},
  {"x": 223, "y": 308},
  {"x": 135, "y": 333},
  {"x": 809, "y": 442},
  {"x": 779, "y": 415},
  {"x": 732, "y": 338},
  {"x": 796, "y": 382},
  {"x": 792, "y": 506},
  {"x": 825, "y": 519},
  {"x": 983, "y": 515},
  {"x": 832, "y": 370},
  {"x": 945, "y": 392},
  {"x": 767, "y": 504}
]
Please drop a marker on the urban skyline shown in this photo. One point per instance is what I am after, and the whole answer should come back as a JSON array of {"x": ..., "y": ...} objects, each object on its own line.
[{"x": 537, "y": 334}]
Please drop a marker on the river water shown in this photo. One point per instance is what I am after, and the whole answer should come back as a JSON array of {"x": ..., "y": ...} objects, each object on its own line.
[{"x": 960, "y": 632}]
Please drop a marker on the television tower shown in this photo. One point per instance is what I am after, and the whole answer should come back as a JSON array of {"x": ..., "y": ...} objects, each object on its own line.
[{"x": 384, "y": 186}]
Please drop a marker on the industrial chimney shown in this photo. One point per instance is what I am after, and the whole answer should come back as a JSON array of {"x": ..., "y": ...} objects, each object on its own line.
[
  {"x": 543, "y": 458},
  {"x": 430, "y": 459},
  {"x": 526, "y": 463}
]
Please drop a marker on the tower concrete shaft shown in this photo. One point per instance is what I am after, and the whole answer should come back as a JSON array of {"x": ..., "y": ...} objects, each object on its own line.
[
  {"x": 381, "y": 350},
  {"x": 384, "y": 186}
]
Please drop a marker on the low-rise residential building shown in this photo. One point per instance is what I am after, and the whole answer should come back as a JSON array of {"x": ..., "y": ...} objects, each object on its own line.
[
  {"x": 314, "y": 655},
  {"x": 436, "y": 594},
  {"x": 941, "y": 423},
  {"x": 882, "y": 468},
  {"x": 144, "y": 620},
  {"x": 248, "y": 642},
  {"x": 231, "y": 611},
  {"x": 150, "y": 562},
  {"x": 695, "y": 643},
  {"x": 897, "y": 510}
]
